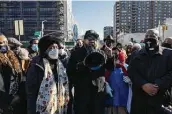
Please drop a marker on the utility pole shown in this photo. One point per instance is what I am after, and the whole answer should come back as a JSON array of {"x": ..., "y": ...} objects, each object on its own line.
[
  {"x": 42, "y": 28},
  {"x": 164, "y": 27}
]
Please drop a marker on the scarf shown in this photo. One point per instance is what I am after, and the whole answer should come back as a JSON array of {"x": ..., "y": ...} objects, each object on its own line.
[{"x": 53, "y": 96}]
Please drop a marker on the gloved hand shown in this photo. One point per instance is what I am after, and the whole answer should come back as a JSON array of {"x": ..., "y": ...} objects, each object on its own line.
[
  {"x": 108, "y": 89},
  {"x": 127, "y": 79},
  {"x": 100, "y": 83}
]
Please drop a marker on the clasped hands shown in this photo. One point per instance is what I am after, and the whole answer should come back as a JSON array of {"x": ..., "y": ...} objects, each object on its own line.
[{"x": 150, "y": 89}]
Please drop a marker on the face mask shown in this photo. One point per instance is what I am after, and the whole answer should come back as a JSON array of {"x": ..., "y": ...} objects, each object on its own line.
[
  {"x": 3, "y": 49},
  {"x": 108, "y": 43},
  {"x": 35, "y": 47},
  {"x": 53, "y": 53},
  {"x": 96, "y": 67},
  {"x": 151, "y": 44}
]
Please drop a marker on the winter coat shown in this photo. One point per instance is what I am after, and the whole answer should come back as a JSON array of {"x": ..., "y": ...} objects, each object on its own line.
[
  {"x": 87, "y": 99},
  {"x": 156, "y": 69},
  {"x": 34, "y": 79},
  {"x": 10, "y": 73},
  {"x": 130, "y": 58},
  {"x": 64, "y": 59}
]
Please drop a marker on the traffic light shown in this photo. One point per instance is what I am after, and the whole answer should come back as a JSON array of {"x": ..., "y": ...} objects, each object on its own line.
[{"x": 164, "y": 27}]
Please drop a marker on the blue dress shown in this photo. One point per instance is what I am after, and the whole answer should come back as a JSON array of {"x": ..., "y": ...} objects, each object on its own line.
[{"x": 119, "y": 87}]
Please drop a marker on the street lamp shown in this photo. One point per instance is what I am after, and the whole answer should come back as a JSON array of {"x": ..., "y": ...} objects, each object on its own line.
[{"x": 42, "y": 29}]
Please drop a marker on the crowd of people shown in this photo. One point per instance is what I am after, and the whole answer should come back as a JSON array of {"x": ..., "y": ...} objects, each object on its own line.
[{"x": 48, "y": 78}]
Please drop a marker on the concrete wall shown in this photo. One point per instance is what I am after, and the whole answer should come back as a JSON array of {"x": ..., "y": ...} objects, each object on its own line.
[{"x": 125, "y": 39}]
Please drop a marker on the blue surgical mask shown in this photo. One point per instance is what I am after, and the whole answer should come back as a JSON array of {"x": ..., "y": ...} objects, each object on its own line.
[
  {"x": 35, "y": 47},
  {"x": 96, "y": 67},
  {"x": 3, "y": 49}
]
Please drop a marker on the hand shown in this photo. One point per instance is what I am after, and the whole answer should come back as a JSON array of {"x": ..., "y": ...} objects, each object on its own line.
[
  {"x": 150, "y": 89},
  {"x": 108, "y": 51},
  {"x": 100, "y": 83},
  {"x": 127, "y": 79},
  {"x": 108, "y": 89}
]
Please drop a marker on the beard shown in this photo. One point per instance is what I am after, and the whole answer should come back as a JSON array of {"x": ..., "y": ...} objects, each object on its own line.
[{"x": 90, "y": 48}]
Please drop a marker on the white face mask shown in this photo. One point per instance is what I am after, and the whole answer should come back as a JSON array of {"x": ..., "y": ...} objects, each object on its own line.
[{"x": 53, "y": 53}]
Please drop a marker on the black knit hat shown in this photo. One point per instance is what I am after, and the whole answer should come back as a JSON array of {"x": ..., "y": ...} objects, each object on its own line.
[
  {"x": 46, "y": 41},
  {"x": 91, "y": 34}
]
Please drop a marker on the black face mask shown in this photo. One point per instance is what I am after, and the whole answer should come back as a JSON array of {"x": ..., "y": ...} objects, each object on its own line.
[
  {"x": 167, "y": 45},
  {"x": 108, "y": 43},
  {"x": 151, "y": 44}
]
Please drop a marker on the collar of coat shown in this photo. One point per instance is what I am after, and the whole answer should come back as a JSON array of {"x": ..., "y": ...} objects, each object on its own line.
[
  {"x": 10, "y": 60},
  {"x": 159, "y": 52}
]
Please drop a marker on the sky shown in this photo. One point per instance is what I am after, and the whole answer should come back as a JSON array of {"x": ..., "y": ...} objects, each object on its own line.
[{"x": 93, "y": 15}]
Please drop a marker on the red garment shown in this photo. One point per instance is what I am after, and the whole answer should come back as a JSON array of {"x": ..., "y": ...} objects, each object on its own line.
[
  {"x": 124, "y": 71},
  {"x": 122, "y": 58},
  {"x": 107, "y": 74}
]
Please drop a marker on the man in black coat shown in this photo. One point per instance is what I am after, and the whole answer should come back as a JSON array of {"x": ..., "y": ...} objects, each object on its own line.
[
  {"x": 87, "y": 98},
  {"x": 151, "y": 74}
]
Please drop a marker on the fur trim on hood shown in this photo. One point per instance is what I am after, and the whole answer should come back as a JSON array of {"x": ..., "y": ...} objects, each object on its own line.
[{"x": 10, "y": 60}]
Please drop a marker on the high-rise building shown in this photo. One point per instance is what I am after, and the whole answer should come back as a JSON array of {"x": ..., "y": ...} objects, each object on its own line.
[
  {"x": 108, "y": 30},
  {"x": 138, "y": 16},
  {"x": 33, "y": 13}
]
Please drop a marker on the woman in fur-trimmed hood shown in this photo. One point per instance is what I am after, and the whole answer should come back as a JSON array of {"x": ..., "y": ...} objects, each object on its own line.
[{"x": 10, "y": 74}]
